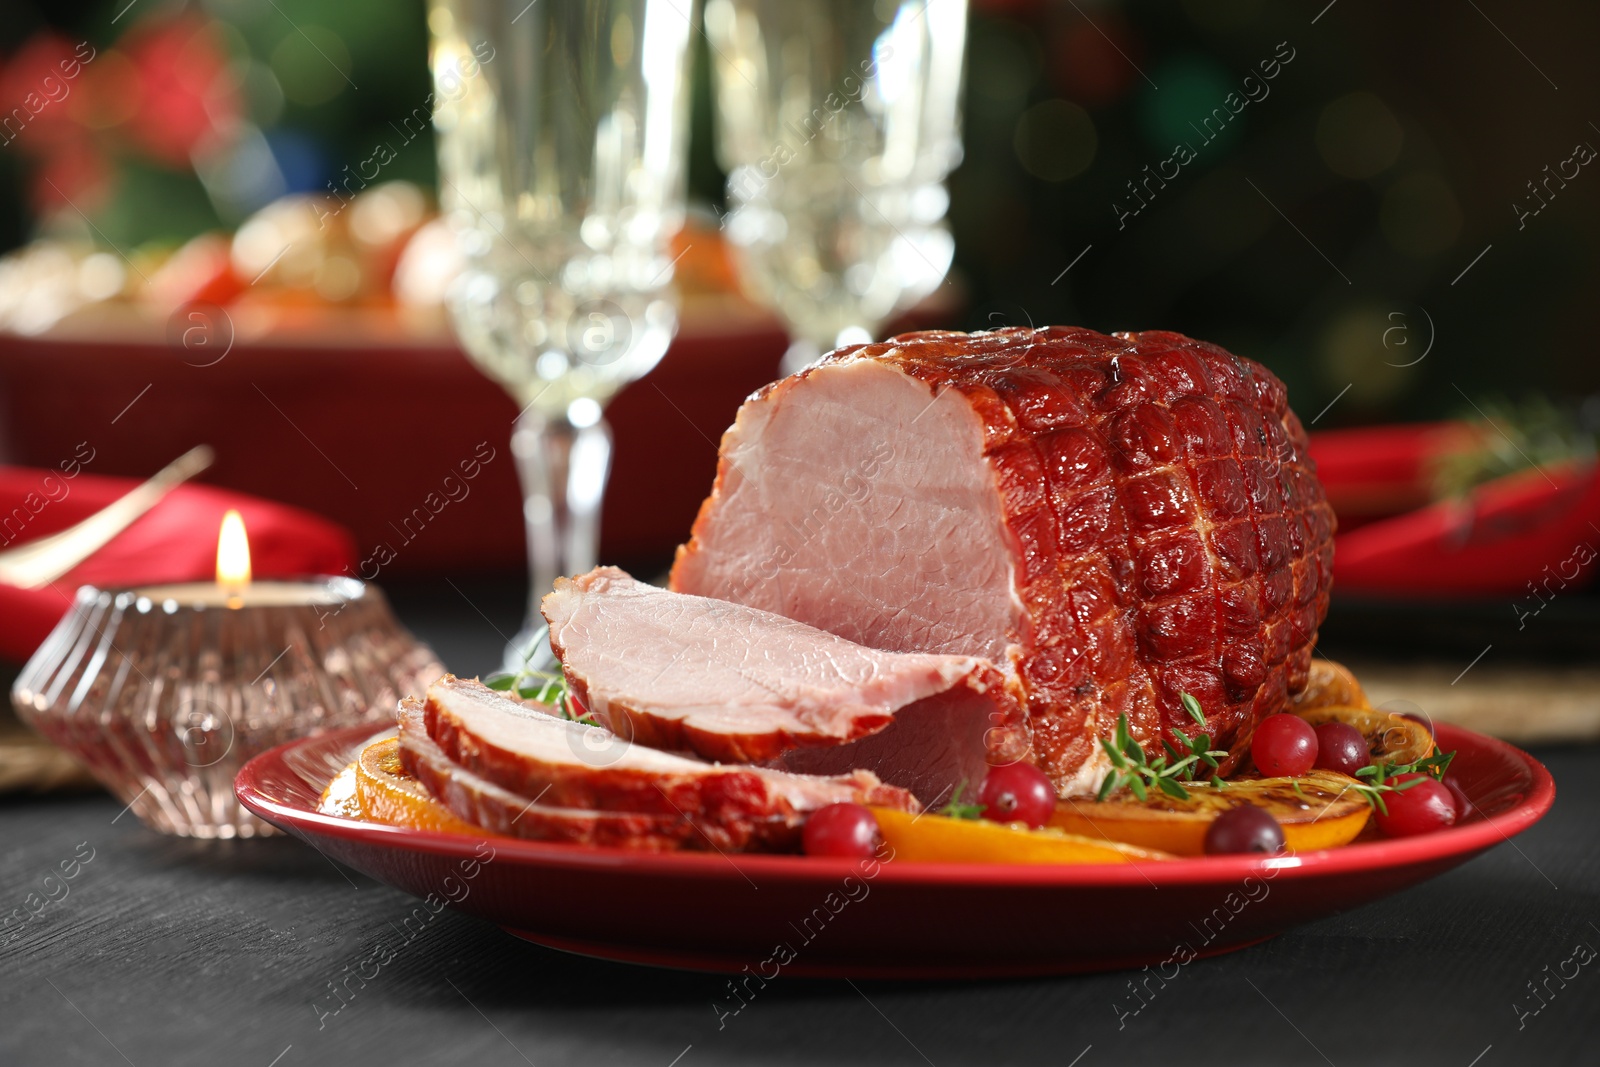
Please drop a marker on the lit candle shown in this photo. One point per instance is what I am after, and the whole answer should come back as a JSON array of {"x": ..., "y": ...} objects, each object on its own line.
[
  {"x": 233, "y": 558},
  {"x": 165, "y": 690},
  {"x": 234, "y": 587}
]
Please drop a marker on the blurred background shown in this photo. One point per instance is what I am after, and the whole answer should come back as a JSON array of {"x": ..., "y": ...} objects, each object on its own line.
[{"x": 1389, "y": 205}]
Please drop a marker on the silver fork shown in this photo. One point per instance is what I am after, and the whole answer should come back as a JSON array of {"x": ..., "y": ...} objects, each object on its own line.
[{"x": 42, "y": 561}]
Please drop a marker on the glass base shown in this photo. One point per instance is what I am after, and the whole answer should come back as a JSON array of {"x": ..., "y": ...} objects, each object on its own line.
[{"x": 164, "y": 704}]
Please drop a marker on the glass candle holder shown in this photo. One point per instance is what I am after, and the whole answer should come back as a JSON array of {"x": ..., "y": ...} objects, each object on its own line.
[{"x": 163, "y": 692}]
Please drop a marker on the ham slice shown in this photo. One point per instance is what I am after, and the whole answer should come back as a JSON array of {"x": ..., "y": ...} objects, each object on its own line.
[
  {"x": 566, "y": 764},
  {"x": 1117, "y": 519},
  {"x": 501, "y": 811},
  {"x": 729, "y": 682}
]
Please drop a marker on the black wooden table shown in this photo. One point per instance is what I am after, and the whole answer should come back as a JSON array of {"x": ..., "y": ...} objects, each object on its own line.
[{"x": 167, "y": 952}]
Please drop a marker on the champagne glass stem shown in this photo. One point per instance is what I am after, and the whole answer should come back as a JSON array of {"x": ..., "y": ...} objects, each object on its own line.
[{"x": 563, "y": 468}]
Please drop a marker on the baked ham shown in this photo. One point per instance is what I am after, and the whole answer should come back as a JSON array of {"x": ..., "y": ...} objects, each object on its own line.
[
  {"x": 501, "y": 811},
  {"x": 730, "y": 682},
  {"x": 1117, "y": 519},
  {"x": 571, "y": 765}
]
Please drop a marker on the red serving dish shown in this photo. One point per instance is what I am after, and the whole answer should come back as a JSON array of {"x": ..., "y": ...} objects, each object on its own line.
[
  {"x": 801, "y": 915},
  {"x": 361, "y": 414}
]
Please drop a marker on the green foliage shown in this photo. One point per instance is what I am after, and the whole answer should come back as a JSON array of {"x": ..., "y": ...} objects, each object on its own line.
[
  {"x": 1132, "y": 769},
  {"x": 959, "y": 809}
]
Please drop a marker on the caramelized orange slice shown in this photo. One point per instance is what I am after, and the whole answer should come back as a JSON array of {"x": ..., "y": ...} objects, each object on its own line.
[
  {"x": 1316, "y": 810},
  {"x": 1393, "y": 739},
  {"x": 387, "y": 793},
  {"x": 940, "y": 839},
  {"x": 340, "y": 797},
  {"x": 1329, "y": 684}
]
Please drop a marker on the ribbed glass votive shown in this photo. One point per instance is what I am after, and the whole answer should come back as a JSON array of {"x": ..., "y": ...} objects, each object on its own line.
[{"x": 165, "y": 691}]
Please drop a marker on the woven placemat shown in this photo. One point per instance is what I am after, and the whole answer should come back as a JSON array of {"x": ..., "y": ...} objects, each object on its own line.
[
  {"x": 30, "y": 764},
  {"x": 1526, "y": 704}
]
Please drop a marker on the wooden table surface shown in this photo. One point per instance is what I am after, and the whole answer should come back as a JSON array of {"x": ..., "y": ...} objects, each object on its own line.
[{"x": 173, "y": 952}]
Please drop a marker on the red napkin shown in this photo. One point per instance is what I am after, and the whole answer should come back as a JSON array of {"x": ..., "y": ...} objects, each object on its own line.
[
  {"x": 1372, "y": 472},
  {"x": 176, "y": 541},
  {"x": 1529, "y": 531}
]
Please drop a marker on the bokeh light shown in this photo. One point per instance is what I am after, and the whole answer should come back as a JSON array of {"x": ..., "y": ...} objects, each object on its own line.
[
  {"x": 1224, "y": 16},
  {"x": 1191, "y": 89},
  {"x": 1352, "y": 351},
  {"x": 311, "y": 65},
  {"x": 1358, "y": 136},
  {"x": 1055, "y": 140},
  {"x": 1091, "y": 62},
  {"x": 1420, "y": 215},
  {"x": 1224, "y": 212},
  {"x": 1002, "y": 66}
]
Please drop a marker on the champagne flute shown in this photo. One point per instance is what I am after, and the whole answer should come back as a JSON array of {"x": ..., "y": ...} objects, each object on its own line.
[
  {"x": 838, "y": 123},
  {"x": 562, "y": 144}
]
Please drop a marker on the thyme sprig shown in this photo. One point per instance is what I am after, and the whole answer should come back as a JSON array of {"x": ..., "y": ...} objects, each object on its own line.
[
  {"x": 542, "y": 687},
  {"x": 1133, "y": 769},
  {"x": 958, "y": 808},
  {"x": 1378, "y": 778}
]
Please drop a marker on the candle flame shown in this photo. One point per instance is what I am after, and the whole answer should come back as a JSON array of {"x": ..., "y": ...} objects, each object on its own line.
[{"x": 233, "y": 553}]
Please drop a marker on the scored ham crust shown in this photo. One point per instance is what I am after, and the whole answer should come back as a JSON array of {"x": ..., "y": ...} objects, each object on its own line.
[
  {"x": 730, "y": 682},
  {"x": 571, "y": 765},
  {"x": 1117, "y": 519}
]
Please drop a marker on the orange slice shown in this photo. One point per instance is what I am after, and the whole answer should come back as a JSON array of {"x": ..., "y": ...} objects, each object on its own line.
[
  {"x": 1329, "y": 684},
  {"x": 1393, "y": 739},
  {"x": 340, "y": 797},
  {"x": 387, "y": 793},
  {"x": 940, "y": 839},
  {"x": 1317, "y": 810}
]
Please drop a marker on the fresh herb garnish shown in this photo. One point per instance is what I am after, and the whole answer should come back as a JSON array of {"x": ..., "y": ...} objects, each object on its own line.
[
  {"x": 957, "y": 809},
  {"x": 1513, "y": 436},
  {"x": 1378, "y": 778},
  {"x": 540, "y": 686},
  {"x": 547, "y": 686},
  {"x": 1131, "y": 768}
]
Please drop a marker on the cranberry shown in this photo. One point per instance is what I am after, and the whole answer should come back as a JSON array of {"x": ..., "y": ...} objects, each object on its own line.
[
  {"x": 1340, "y": 747},
  {"x": 841, "y": 830},
  {"x": 1418, "y": 809},
  {"x": 1284, "y": 745},
  {"x": 1017, "y": 792},
  {"x": 1246, "y": 828},
  {"x": 1464, "y": 805}
]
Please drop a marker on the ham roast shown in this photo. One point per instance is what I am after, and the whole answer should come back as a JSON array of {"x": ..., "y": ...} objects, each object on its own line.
[
  {"x": 734, "y": 683},
  {"x": 1115, "y": 520},
  {"x": 489, "y": 737}
]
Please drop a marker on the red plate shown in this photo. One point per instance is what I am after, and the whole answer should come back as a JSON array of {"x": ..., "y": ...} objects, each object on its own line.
[{"x": 804, "y": 916}]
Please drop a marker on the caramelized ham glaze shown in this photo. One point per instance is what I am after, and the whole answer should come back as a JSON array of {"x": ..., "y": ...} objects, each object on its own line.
[{"x": 1117, "y": 519}]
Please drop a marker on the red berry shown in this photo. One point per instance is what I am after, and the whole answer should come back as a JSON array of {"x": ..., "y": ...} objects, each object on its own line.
[
  {"x": 1017, "y": 792},
  {"x": 1464, "y": 805},
  {"x": 841, "y": 830},
  {"x": 1418, "y": 809},
  {"x": 1246, "y": 828},
  {"x": 1340, "y": 747},
  {"x": 1284, "y": 745}
]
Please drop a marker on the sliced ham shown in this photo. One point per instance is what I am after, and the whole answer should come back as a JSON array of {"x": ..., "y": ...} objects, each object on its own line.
[
  {"x": 729, "y": 682},
  {"x": 567, "y": 764},
  {"x": 1117, "y": 519},
  {"x": 501, "y": 811}
]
